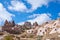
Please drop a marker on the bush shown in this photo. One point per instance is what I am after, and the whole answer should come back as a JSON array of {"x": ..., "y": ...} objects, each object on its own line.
[
  {"x": 39, "y": 37},
  {"x": 31, "y": 36},
  {"x": 9, "y": 37}
]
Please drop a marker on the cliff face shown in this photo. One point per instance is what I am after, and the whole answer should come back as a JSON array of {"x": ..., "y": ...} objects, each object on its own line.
[
  {"x": 11, "y": 27},
  {"x": 9, "y": 24},
  {"x": 47, "y": 28},
  {"x": 27, "y": 25}
]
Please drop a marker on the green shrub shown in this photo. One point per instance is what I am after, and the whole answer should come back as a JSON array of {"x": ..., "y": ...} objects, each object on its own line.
[
  {"x": 8, "y": 37},
  {"x": 31, "y": 36},
  {"x": 39, "y": 37}
]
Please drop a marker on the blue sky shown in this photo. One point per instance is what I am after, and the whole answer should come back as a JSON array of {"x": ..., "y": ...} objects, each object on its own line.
[{"x": 29, "y": 10}]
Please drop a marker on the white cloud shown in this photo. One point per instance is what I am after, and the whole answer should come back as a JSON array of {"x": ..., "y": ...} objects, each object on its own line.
[
  {"x": 17, "y": 6},
  {"x": 21, "y": 23},
  {"x": 4, "y": 14},
  {"x": 20, "y": 6},
  {"x": 33, "y": 16},
  {"x": 41, "y": 18},
  {"x": 37, "y": 3},
  {"x": 59, "y": 14}
]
